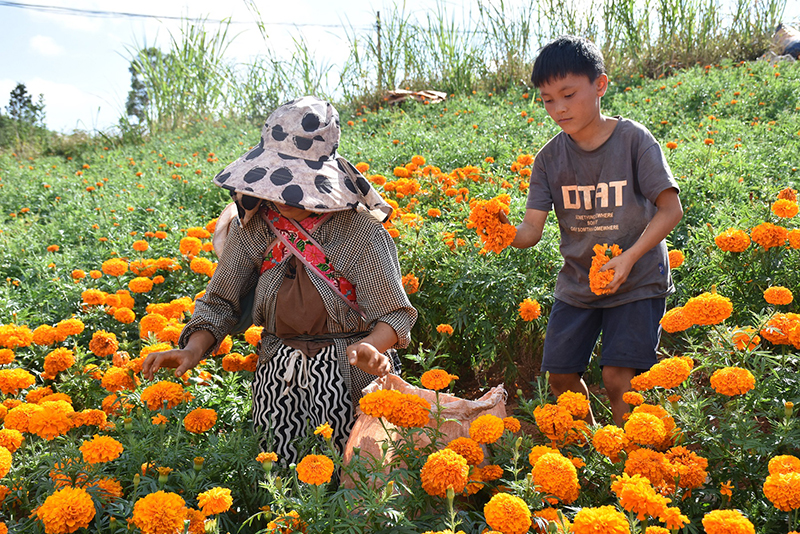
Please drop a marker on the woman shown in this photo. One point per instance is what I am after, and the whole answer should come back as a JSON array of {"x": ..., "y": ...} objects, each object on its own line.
[{"x": 327, "y": 280}]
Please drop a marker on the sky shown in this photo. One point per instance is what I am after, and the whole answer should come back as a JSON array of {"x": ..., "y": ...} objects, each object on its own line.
[{"x": 79, "y": 61}]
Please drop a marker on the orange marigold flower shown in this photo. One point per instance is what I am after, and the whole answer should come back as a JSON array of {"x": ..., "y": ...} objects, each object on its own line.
[
  {"x": 94, "y": 297},
  {"x": 556, "y": 475},
  {"x": 778, "y": 295},
  {"x": 315, "y": 469},
  {"x": 576, "y": 404},
  {"x": 5, "y": 461},
  {"x": 58, "y": 360},
  {"x": 708, "y": 309},
  {"x": 537, "y": 451},
  {"x": 115, "y": 267},
  {"x": 55, "y": 419},
  {"x": 610, "y": 441},
  {"x": 671, "y": 372},
  {"x": 18, "y": 417},
  {"x": 163, "y": 394},
  {"x": 190, "y": 246},
  {"x": 784, "y": 463},
  {"x": 554, "y": 421},
  {"x": 215, "y": 501},
  {"x": 486, "y": 429},
  {"x": 732, "y": 381},
  {"x": 117, "y": 379},
  {"x": 676, "y": 259},
  {"x": 13, "y": 336},
  {"x": 786, "y": 209},
  {"x": 159, "y": 513},
  {"x": 124, "y": 315},
  {"x": 233, "y": 362},
  {"x": 103, "y": 343},
  {"x": 445, "y": 329},
  {"x": 605, "y": 519},
  {"x": 636, "y": 495},
  {"x": 633, "y": 398},
  {"x": 649, "y": 463},
  {"x": 442, "y": 470},
  {"x": 727, "y": 522},
  {"x": 78, "y": 274},
  {"x": 645, "y": 429},
  {"x": 507, "y": 514},
  {"x": 101, "y": 449},
  {"x": 529, "y": 310},
  {"x": 778, "y": 328},
  {"x": 732, "y": 240},
  {"x": 687, "y": 467},
  {"x": 324, "y": 430},
  {"x": 13, "y": 380},
  {"x": 66, "y": 510},
  {"x": 436, "y": 379},
  {"x": 68, "y": 327},
  {"x": 745, "y": 338},
  {"x": 410, "y": 283},
  {"x": 434, "y": 212},
  {"x": 769, "y": 235},
  {"x": 783, "y": 490},
  {"x": 140, "y": 246},
  {"x": 11, "y": 439},
  {"x": 44, "y": 335},
  {"x": 673, "y": 518},
  {"x": 253, "y": 335},
  {"x": 484, "y": 217},
  {"x": 409, "y": 411},
  {"x": 109, "y": 488},
  {"x": 512, "y": 424},
  {"x": 598, "y": 279},
  {"x": 140, "y": 284},
  {"x": 468, "y": 448},
  {"x": 788, "y": 194},
  {"x": 672, "y": 145},
  {"x": 200, "y": 420},
  {"x": 379, "y": 403}
]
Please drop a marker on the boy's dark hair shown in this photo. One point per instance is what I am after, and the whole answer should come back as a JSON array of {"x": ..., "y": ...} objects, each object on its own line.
[{"x": 567, "y": 55}]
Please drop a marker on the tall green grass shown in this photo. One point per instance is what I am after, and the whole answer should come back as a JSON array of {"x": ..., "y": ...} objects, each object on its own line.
[{"x": 490, "y": 47}]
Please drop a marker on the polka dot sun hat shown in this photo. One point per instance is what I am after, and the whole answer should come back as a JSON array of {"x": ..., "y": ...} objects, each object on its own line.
[{"x": 296, "y": 163}]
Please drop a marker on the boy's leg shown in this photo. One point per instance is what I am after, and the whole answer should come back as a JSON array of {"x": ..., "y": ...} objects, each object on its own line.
[
  {"x": 631, "y": 333},
  {"x": 568, "y": 343}
]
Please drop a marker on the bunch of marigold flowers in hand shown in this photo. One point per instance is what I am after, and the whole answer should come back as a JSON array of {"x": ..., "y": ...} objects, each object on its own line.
[
  {"x": 485, "y": 218},
  {"x": 598, "y": 279}
]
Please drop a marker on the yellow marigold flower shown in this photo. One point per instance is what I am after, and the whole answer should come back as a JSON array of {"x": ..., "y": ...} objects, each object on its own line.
[
  {"x": 378, "y": 403},
  {"x": 324, "y": 430},
  {"x": 436, "y": 379},
  {"x": 215, "y": 501},
  {"x": 101, "y": 449},
  {"x": 468, "y": 448},
  {"x": 675, "y": 320},
  {"x": 554, "y": 421},
  {"x": 610, "y": 441},
  {"x": 732, "y": 381},
  {"x": 11, "y": 439},
  {"x": 409, "y": 411},
  {"x": 556, "y": 475},
  {"x": 778, "y": 295},
  {"x": 529, "y": 310},
  {"x": 115, "y": 267},
  {"x": 727, "y": 522},
  {"x": 445, "y": 329},
  {"x": 636, "y": 495},
  {"x": 442, "y": 470},
  {"x": 708, "y": 309},
  {"x": 676, "y": 259},
  {"x": 512, "y": 424},
  {"x": 103, "y": 343},
  {"x": 486, "y": 429},
  {"x": 769, "y": 235},
  {"x": 159, "y": 513},
  {"x": 598, "y": 280},
  {"x": 507, "y": 514},
  {"x": 200, "y": 420},
  {"x": 687, "y": 467},
  {"x": 315, "y": 469},
  {"x": 645, "y": 429},
  {"x": 783, "y": 490},
  {"x": 68, "y": 327},
  {"x": 575, "y": 403},
  {"x": 784, "y": 463},
  {"x": 605, "y": 519},
  {"x": 13, "y": 380},
  {"x": 66, "y": 510},
  {"x": 784, "y": 208},
  {"x": 633, "y": 398},
  {"x": 732, "y": 240}
]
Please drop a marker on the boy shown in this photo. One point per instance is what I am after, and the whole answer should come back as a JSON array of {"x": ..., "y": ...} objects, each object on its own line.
[{"x": 608, "y": 182}]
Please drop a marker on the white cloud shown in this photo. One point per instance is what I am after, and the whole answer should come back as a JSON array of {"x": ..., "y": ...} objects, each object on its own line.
[{"x": 46, "y": 46}]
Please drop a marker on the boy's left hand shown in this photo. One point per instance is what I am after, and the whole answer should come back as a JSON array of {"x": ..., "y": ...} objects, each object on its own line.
[{"x": 622, "y": 266}]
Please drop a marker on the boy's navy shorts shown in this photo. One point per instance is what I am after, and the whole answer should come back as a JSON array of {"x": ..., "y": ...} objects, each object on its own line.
[{"x": 631, "y": 333}]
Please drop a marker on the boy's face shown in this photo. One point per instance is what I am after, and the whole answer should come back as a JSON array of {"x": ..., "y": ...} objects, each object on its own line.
[{"x": 574, "y": 103}]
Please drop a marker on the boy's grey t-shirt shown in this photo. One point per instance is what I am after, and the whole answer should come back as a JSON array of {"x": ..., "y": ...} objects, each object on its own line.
[{"x": 604, "y": 196}]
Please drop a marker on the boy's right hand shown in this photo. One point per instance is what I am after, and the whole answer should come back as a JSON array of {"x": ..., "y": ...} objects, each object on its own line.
[{"x": 180, "y": 359}]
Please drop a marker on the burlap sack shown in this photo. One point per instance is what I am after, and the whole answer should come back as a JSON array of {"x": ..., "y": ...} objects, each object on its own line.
[{"x": 368, "y": 433}]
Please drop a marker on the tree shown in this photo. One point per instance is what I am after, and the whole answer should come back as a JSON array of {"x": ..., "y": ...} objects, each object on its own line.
[
  {"x": 25, "y": 119},
  {"x": 138, "y": 99}
]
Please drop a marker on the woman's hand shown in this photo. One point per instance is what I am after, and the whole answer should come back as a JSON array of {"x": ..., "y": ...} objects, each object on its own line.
[
  {"x": 179, "y": 359},
  {"x": 369, "y": 359}
]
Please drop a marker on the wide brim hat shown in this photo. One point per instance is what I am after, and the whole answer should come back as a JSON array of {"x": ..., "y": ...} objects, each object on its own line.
[{"x": 297, "y": 163}]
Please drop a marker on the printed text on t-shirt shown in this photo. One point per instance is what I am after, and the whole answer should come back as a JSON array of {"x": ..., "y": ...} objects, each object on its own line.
[{"x": 574, "y": 194}]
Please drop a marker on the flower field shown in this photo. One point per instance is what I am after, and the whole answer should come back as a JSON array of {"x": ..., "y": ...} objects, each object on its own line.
[{"x": 103, "y": 252}]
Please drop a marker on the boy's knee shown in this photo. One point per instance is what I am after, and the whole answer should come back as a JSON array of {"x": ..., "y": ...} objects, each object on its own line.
[{"x": 617, "y": 380}]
